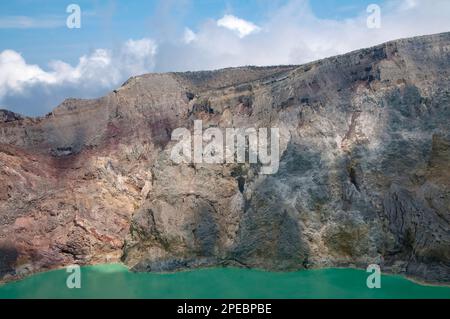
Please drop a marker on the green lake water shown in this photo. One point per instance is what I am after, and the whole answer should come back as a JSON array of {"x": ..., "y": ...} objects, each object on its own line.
[{"x": 115, "y": 281}]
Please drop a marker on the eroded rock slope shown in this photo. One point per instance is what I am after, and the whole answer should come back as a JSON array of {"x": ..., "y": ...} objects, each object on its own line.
[{"x": 364, "y": 174}]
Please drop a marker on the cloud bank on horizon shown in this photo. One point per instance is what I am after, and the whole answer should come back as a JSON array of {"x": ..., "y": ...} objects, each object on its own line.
[{"x": 291, "y": 34}]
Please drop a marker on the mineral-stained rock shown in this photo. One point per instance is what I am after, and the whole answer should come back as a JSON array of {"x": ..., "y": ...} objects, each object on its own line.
[{"x": 364, "y": 174}]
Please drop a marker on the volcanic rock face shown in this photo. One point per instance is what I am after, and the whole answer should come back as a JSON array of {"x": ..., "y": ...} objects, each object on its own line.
[{"x": 364, "y": 173}]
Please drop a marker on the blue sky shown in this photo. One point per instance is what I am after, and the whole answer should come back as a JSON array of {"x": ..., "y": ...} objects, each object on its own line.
[
  {"x": 108, "y": 23},
  {"x": 42, "y": 62}
]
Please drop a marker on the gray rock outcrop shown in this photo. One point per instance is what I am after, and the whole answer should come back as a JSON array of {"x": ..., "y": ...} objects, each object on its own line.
[{"x": 364, "y": 175}]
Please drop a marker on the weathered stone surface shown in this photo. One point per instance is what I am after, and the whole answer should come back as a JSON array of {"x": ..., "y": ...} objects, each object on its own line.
[{"x": 364, "y": 175}]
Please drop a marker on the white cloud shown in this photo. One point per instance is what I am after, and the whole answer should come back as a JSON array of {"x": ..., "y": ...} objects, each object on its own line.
[
  {"x": 189, "y": 36},
  {"x": 15, "y": 72},
  {"x": 94, "y": 74},
  {"x": 293, "y": 34},
  {"x": 136, "y": 57},
  {"x": 408, "y": 4},
  {"x": 24, "y": 22},
  {"x": 102, "y": 67},
  {"x": 240, "y": 26}
]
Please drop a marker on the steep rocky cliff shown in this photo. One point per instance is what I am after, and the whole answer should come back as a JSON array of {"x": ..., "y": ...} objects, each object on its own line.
[{"x": 364, "y": 175}]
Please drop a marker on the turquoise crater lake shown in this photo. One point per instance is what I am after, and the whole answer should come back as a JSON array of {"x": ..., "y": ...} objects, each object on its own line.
[{"x": 116, "y": 281}]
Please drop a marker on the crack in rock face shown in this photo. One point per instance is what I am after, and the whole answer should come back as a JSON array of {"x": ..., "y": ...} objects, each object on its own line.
[{"x": 363, "y": 178}]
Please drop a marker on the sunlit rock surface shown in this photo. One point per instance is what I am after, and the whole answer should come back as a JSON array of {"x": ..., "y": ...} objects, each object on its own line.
[{"x": 364, "y": 175}]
